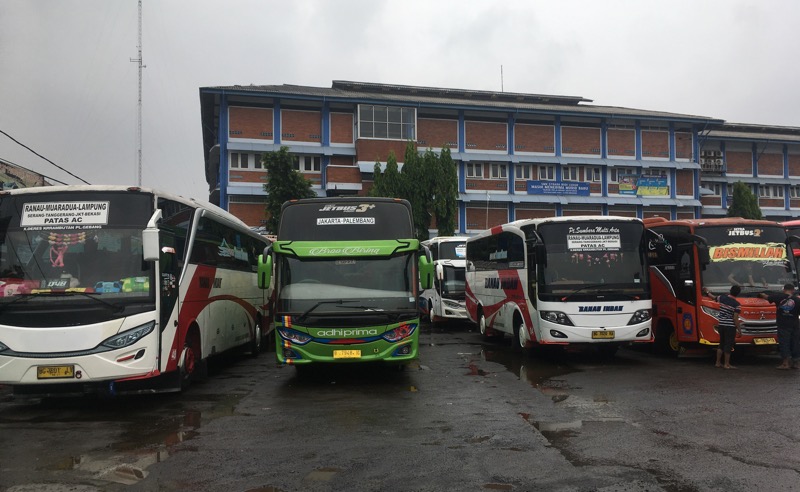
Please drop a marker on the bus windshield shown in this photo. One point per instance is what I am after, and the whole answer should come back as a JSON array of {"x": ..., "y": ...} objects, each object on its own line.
[
  {"x": 590, "y": 258},
  {"x": 452, "y": 250},
  {"x": 454, "y": 282},
  {"x": 753, "y": 257},
  {"x": 346, "y": 286}
]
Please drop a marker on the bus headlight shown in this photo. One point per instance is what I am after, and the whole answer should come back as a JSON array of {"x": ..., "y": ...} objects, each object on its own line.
[
  {"x": 129, "y": 337},
  {"x": 710, "y": 311},
  {"x": 3, "y": 347},
  {"x": 639, "y": 316},
  {"x": 294, "y": 336},
  {"x": 451, "y": 304},
  {"x": 556, "y": 317},
  {"x": 399, "y": 333}
]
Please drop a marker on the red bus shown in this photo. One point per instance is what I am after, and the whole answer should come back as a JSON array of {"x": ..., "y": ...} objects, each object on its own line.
[{"x": 711, "y": 255}]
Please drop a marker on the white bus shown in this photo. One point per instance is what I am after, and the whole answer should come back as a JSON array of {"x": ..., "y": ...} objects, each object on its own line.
[
  {"x": 113, "y": 289},
  {"x": 444, "y": 301},
  {"x": 561, "y": 280}
]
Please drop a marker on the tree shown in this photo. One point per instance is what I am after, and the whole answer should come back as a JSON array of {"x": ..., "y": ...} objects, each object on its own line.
[
  {"x": 445, "y": 191},
  {"x": 429, "y": 182},
  {"x": 388, "y": 182},
  {"x": 744, "y": 203},
  {"x": 283, "y": 183}
]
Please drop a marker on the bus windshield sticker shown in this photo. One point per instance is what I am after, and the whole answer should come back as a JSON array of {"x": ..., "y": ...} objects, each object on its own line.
[
  {"x": 64, "y": 214},
  {"x": 593, "y": 242},
  {"x": 345, "y": 221},
  {"x": 461, "y": 251},
  {"x": 748, "y": 252}
]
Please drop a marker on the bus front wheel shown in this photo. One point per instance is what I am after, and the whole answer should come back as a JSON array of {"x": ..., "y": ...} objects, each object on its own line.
[
  {"x": 666, "y": 342},
  {"x": 256, "y": 344},
  {"x": 192, "y": 361}
]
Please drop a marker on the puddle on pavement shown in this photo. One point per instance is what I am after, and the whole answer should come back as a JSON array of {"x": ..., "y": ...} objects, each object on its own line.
[
  {"x": 145, "y": 439},
  {"x": 536, "y": 371}
]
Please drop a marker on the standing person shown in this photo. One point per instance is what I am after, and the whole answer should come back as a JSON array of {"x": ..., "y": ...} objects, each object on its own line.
[
  {"x": 729, "y": 325},
  {"x": 787, "y": 309}
]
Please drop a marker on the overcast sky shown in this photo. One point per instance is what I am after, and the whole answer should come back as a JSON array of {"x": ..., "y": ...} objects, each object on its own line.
[{"x": 69, "y": 90}]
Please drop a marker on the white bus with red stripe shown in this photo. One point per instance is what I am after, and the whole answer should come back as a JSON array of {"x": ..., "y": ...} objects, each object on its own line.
[
  {"x": 115, "y": 289},
  {"x": 561, "y": 281},
  {"x": 444, "y": 300}
]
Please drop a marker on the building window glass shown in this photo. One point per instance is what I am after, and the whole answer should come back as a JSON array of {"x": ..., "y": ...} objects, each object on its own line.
[
  {"x": 770, "y": 191},
  {"x": 547, "y": 173},
  {"x": 570, "y": 173},
  {"x": 592, "y": 174},
  {"x": 306, "y": 163},
  {"x": 715, "y": 188},
  {"x": 474, "y": 170},
  {"x": 499, "y": 171},
  {"x": 794, "y": 191},
  {"x": 242, "y": 161},
  {"x": 616, "y": 172},
  {"x": 386, "y": 122},
  {"x": 523, "y": 171}
]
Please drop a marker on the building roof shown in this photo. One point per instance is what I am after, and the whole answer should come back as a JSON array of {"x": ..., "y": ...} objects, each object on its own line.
[{"x": 348, "y": 91}]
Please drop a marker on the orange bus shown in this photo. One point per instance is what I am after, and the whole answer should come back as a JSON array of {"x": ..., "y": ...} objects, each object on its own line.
[{"x": 702, "y": 255}]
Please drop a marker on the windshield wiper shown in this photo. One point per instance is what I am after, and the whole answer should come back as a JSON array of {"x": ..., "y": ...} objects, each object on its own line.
[
  {"x": 590, "y": 286},
  {"x": 320, "y": 303},
  {"x": 18, "y": 297},
  {"x": 618, "y": 293}
]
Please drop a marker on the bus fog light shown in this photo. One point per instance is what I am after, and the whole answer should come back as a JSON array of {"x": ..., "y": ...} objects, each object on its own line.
[
  {"x": 290, "y": 354},
  {"x": 643, "y": 332},
  {"x": 129, "y": 337},
  {"x": 404, "y": 350},
  {"x": 557, "y": 334}
]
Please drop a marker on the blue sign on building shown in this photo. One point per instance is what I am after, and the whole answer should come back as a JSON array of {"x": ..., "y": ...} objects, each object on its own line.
[{"x": 558, "y": 188}]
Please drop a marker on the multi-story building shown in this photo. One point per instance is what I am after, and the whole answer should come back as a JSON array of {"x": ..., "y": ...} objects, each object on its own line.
[
  {"x": 766, "y": 158},
  {"x": 518, "y": 155}
]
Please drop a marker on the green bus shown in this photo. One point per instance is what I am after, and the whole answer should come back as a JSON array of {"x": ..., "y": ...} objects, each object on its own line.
[{"x": 347, "y": 273}]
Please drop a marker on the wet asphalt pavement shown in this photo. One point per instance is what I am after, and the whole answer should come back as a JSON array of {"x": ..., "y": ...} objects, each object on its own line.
[{"x": 471, "y": 415}]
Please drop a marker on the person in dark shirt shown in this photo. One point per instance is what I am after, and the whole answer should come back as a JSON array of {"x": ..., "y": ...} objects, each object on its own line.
[
  {"x": 787, "y": 310},
  {"x": 729, "y": 325}
]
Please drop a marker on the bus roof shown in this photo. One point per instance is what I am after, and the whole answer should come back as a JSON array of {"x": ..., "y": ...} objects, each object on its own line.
[
  {"x": 557, "y": 220},
  {"x": 190, "y": 202},
  {"x": 444, "y": 239},
  {"x": 722, "y": 221}
]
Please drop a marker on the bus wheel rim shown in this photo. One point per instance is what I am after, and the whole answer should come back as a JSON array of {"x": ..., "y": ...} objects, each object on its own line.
[
  {"x": 673, "y": 341},
  {"x": 482, "y": 324}
]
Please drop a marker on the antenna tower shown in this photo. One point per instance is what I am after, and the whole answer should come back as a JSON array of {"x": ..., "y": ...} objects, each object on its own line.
[{"x": 139, "y": 107}]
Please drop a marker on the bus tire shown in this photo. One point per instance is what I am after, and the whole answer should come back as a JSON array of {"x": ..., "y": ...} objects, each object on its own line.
[
  {"x": 482, "y": 324},
  {"x": 666, "y": 342},
  {"x": 257, "y": 343},
  {"x": 192, "y": 367},
  {"x": 518, "y": 342}
]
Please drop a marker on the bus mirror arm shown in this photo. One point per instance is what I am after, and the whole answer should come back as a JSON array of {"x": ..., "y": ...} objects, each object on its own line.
[{"x": 150, "y": 239}]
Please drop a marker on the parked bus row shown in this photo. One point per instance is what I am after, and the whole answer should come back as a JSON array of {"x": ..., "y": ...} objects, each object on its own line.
[
  {"x": 115, "y": 289},
  {"x": 610, "y": 281}
]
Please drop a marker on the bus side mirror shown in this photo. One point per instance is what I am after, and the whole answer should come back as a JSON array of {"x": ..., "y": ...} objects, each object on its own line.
[
  {"x": 439, "y": 273},
  {"x": 264, "y": 271},
  {"x": 541, "y": 254},
  {"x": 425, "y": 272},
  {"x": 703, "y": 254},
  {"x": 150, "y": 240}
]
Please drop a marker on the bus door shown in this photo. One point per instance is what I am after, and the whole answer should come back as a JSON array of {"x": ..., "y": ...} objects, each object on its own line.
[
  {"x": 170, "y": 257},
  {"x": 686, "y": 289}
]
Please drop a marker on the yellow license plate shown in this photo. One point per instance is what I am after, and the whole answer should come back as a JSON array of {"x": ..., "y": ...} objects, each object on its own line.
[
  {"x": 346, "y": 354},
  {"x": 603, "y": 335},
  {"x": 55, "y": 372},
  {"x": 764, "y": 341}
]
